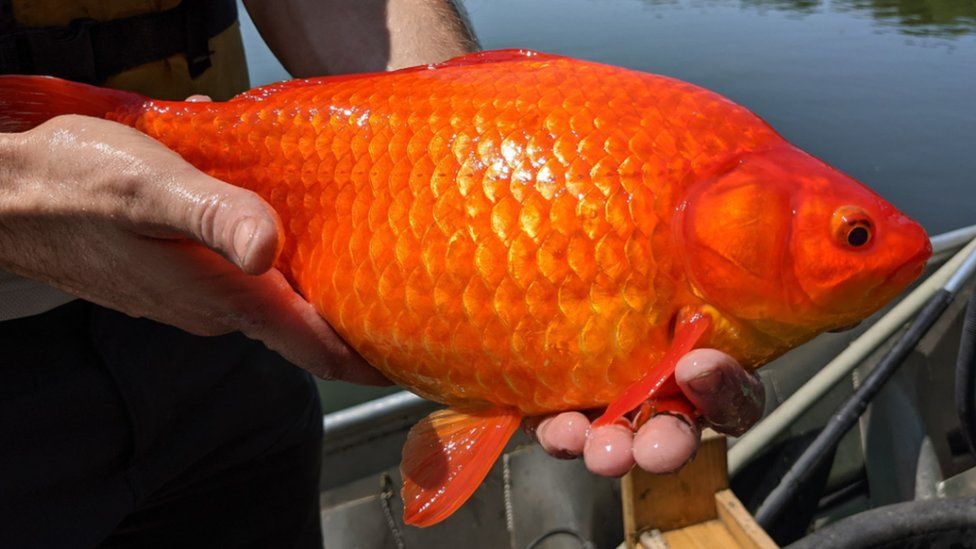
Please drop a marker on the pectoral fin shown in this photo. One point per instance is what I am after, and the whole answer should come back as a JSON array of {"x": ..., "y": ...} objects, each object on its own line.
[
  {"x": 686, "y": 335},
  {"x": 446, "y": 457}
]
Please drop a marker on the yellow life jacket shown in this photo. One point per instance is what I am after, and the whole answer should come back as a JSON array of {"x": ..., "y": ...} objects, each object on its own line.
[{"x": 167, "y": 78}]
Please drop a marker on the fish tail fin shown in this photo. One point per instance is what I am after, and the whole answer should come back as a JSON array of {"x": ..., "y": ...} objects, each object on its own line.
[
  {"x": 445, "y": 458},
  {"x": 28, "y": 101}
]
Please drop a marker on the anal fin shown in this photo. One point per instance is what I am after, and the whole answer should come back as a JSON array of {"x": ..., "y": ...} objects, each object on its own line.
[{"x": 446, "y": 457}]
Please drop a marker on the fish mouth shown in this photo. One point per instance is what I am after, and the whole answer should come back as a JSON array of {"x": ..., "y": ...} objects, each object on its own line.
[{"x": 911, "y": 269}]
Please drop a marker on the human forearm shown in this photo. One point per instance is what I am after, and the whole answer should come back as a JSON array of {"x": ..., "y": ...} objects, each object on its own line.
[
  {"x": 10, "y": 166},
  {"x": 316, "y": 37}
]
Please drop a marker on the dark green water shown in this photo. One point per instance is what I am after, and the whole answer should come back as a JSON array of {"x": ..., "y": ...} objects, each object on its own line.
[{"x": 882, "y": 89}]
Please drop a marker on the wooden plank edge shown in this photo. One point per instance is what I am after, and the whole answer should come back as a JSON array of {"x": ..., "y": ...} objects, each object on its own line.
[
  {"x": 740, "y": 523},
  {"x": 627, "y": 499}
]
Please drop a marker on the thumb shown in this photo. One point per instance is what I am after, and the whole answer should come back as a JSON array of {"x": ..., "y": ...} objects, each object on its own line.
[
  {"x": 728, "y": 397},
  {"x": 288, "y": 324},
  {"x": 234, "y": 222}
]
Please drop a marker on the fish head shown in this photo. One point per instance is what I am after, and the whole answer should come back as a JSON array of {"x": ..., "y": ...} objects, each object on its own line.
[{"x": 782, "y": 242}]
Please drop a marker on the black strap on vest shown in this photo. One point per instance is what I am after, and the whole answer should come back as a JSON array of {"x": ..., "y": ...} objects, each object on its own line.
[
  {"x": 91, "y": 51},
  {"x": 6, "y": 15}
]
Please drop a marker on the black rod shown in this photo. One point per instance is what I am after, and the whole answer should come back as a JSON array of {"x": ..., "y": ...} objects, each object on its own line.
[
  {"x": 849, "y": 412},
  {"x": 966, "y": 377}
]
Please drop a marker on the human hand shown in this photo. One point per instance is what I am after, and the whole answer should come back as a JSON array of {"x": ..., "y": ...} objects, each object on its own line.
[
  {"x": 729, "y": 399},
  {"x": 110, "y": 215}
]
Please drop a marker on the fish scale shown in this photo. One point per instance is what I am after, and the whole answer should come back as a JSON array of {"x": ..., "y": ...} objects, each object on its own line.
[
  {"x": 486, "y": 236},
  {"x": 514, "y": 233}
]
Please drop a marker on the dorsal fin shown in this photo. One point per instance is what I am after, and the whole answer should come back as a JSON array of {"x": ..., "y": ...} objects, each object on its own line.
[
  {"x": 263, "y": 92},
  {"x": 477, "y": 58},
  {"x": 496, "y": 56},
  {"x": 445, "y": 458}
]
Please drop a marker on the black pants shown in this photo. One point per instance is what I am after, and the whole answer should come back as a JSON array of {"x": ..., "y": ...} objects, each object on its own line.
[{"x": 118, "y": 432}]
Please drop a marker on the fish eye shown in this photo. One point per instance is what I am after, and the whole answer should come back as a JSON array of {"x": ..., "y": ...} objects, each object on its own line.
[{"x": 852, "y": 227}]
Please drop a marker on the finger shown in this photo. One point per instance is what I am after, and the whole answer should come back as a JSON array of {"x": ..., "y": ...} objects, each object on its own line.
[
  {"x": 288, "y": 324},
  {"x": 198, "y": 98},
  {"x": 664, "y": 444},
  {"x": 158, "y": 193},
  {"x": 216, "y": 298},
  {"x": 729, "y": 398},
  {"x": 562, "y": 435},
  {"x": 609, "y": 450},
  {"x": 234, "y": 222}
]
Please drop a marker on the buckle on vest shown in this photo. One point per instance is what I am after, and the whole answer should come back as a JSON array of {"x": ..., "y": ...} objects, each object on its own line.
[{"x": 66, "y": 51}]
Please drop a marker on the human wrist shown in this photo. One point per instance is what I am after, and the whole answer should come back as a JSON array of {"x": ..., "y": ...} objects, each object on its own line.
[
  {"x": 19, "y": 156},
  {"x": 11, "y": 162},
  {"x": 22, "y": 198}
]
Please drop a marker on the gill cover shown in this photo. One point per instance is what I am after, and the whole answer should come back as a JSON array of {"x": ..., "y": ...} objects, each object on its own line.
[
  {"x": 733, "y": 233},
  {"x": 780, "y": 240}
]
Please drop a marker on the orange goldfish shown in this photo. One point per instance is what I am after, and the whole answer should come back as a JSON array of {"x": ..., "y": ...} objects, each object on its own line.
[{"x": 513, "y": 233}]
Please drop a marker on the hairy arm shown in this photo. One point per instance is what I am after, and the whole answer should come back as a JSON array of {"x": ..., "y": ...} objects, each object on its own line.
[{"x": 319, "y": 37}]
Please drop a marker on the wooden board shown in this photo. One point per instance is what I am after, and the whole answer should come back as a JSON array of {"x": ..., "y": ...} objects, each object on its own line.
[
  {"x": 711, "y": 534},
  {"x": 734, "y": 528},
  {"x": 669, "y": 502},
  {"x": 740, "y": 523},
  {"x": 692, "y": 509}
]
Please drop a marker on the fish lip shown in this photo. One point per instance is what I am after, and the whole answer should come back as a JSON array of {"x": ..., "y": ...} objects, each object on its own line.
[{"x": 910, "y": 269}]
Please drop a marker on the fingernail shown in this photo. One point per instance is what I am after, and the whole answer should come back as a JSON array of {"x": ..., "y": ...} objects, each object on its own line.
[
  {"x": 707, "y": 383},
  {"x": 685, "y": 425},
  {"x": 535, "y": 428},
  {"x": 243, "y": 239},
  {"x": 562, "y": 453}
]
